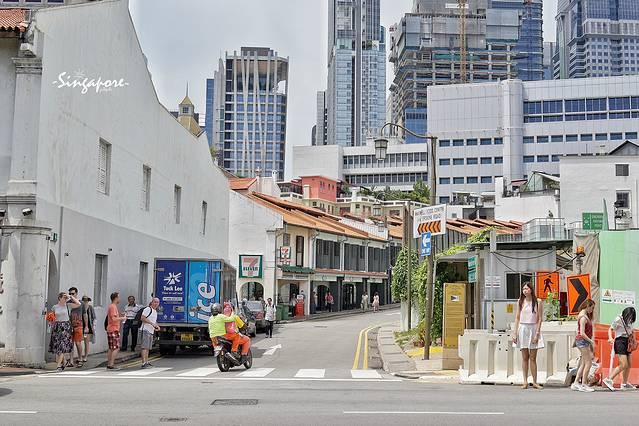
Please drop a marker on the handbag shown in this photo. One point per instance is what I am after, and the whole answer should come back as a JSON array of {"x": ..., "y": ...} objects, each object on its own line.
[{"x": 632, "y": 340}]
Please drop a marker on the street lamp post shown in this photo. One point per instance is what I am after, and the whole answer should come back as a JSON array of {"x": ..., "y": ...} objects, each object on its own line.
[{"x": 381, "y": 145}]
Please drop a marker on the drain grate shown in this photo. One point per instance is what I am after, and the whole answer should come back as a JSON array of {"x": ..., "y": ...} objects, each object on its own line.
[
  {"x": 320, "y": 326},
  {"x": 173, "y": 419},
  {"x": 234, "y": 402}
]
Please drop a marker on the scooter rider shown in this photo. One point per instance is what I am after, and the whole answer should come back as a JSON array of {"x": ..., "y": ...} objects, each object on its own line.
[{"x": 217, "y": 328}]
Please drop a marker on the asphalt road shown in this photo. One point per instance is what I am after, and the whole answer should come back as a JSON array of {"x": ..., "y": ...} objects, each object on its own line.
[{"x": 309, "y": 380}]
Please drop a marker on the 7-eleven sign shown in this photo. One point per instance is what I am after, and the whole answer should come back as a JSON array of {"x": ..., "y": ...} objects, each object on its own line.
[{"x": 250, "y": 266}]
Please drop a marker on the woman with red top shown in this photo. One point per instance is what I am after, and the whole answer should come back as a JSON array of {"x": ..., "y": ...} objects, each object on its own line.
[
  {"x": 527, "y": 336},
  {"x": 586, "y": 346}
]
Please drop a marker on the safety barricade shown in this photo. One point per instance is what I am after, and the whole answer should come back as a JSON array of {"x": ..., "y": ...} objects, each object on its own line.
[
  {"x": 603, "y": 350},
  {"x": 491, "y": 358}
]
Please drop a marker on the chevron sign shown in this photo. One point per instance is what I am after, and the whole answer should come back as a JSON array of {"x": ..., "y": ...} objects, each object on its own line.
[{"x": 430, "y": 219}]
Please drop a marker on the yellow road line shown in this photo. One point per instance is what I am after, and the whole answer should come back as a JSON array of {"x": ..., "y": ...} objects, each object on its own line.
[
  {"x": 359, "y": 347},
  {"x": 365, "y": 361}
]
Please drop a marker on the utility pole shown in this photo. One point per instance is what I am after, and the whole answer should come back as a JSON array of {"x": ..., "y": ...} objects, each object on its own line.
[
  {"x": 432, "y": 178},
  {"x": 409, "y": 239},
  {"x": 463, "y": 50}
]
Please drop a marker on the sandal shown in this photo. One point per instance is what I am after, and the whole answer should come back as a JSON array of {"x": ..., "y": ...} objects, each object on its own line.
[
  {"x": 537, "y": 386},
  {"x": 85, "y": 360},
  {"x": 525, "y": 386}
]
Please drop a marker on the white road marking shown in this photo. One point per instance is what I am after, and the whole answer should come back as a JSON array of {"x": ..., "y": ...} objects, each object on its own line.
[
  {"x": 217, "y": 379},
  {"x": 146, "y": 372},
  {"x": 18, "y": 412},
  {"x": 453, "y": 413},
  {"x": 77, "y": 373},
  {"x": 310, "y": 373},
  {"x": 199, "y": 372},
  {"x": 365, "y": 374},
  {"x": 394, "y": 313},
  {"x": 256, "y": 372},
  {"x": 272, "y": 350}
]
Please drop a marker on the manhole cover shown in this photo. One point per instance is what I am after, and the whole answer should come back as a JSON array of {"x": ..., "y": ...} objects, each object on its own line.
[
  {"x": 235, "y": 402},
  {"x": 4, "y": 391},
  {"x": 320, "y": 326},
  {"x": 172, "y": 419}
]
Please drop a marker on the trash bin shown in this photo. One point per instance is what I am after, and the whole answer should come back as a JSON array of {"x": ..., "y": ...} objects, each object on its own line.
[
  {"x": 278, "y": 313},
  {"x": 284, "y": 311}
]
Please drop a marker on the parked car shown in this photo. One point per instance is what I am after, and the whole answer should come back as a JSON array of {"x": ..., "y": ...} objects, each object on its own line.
[{"x": 257, "y": 311}]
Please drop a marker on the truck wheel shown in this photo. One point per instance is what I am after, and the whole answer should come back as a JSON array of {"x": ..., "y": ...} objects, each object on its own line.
[{"x": 167, "y": 350}]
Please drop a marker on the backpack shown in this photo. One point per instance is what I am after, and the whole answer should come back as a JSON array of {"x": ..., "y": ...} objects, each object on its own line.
[
  {"x": 137, "y": 321},
  {"x": 106, "y": 322}
]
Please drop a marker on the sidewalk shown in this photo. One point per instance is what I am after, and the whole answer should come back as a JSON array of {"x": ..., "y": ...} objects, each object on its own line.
[
  {"x": 328, "y": 315},
  {"x": 96, "y": 360},
  {"x": 410, "y": 364}
]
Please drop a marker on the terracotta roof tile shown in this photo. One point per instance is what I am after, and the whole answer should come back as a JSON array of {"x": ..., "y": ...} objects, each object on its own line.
[
  {"x": 241, "y": 184},
  {"x": 13, "y": 20}
]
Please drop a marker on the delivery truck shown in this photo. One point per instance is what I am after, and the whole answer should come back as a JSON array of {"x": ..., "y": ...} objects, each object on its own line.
[{"x": 187, "y": 289}]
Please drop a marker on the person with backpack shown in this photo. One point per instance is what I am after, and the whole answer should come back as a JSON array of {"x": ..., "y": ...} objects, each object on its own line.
[
  {"x": 148, "y": 318},
  {"x": 623, "y": 343},
  {"x": 130, "y": 325}
]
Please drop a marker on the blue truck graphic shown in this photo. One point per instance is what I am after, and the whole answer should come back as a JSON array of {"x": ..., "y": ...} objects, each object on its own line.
[{"x": 187, "y": 289}]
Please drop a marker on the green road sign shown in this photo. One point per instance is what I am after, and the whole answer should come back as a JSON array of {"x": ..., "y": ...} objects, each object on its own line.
[
  {"x": 472, "y": 263},
  {"x": 592, "y": 221},
  {"x": 472, "y": 276}
]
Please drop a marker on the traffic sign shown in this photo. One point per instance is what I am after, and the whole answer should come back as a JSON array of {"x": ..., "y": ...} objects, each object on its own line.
[
  {"x": 592, "y": 221},
  {"x": 578, "y": 291},
  {"x": 547, "y": 282},
  {"x": 430, "y": 219},
  {"x": 426, "y": 244},
  {"x": 472, "y": 269}
]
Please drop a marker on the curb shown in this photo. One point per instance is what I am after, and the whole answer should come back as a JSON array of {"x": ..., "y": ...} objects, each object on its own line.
[{"x": 20, "y": 372}]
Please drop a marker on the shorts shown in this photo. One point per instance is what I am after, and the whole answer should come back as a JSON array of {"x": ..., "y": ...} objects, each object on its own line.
[
  {"x": 147, "y": 340},
  {"x": 113, "y": 338},
  {"x": 582, "y": 343},
  {"x": 621, "y": 346},
  {"x": 77, "y": 334}
]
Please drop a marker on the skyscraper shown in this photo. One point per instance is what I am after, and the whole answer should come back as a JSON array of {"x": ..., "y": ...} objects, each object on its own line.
[
  {"x": 321, "y": 135},
  {"x": 356, "y": 94},
  {"x": 596, "y": 38},
  {"x": 208, "y": 117},
  {"x": 425, "y": 51},
  {"x": 249, "y": 111}
]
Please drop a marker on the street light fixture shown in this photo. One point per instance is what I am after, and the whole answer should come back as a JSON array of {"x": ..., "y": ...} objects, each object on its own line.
[{"x": 381, "y": 146}]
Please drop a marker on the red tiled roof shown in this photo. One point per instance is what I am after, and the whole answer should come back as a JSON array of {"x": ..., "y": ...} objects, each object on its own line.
[
  {"x": 241, "y": 184},
  {"x": 13, "y": 20}
]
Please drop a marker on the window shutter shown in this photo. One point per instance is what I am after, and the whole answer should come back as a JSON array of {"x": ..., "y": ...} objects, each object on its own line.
[{"x": 102, "y": 167}]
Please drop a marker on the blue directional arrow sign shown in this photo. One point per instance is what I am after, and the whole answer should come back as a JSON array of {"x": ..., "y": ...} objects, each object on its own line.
[{"x": 425, "y": 238}]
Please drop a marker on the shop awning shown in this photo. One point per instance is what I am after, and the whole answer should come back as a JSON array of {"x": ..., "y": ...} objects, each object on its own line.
[{"x": 296, "y": 269}]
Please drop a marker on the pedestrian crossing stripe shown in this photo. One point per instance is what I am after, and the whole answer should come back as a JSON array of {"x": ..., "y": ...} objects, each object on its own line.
[
  {"x": 434, "y": 227},
  {"x": 204, "y": 372}
]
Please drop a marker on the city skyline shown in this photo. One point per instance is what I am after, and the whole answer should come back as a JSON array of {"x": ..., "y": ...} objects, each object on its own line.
[{"x": 172, "y": 62}]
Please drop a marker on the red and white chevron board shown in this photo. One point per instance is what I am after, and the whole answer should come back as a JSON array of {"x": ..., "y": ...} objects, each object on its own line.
[{"x": 429, "y": 219}]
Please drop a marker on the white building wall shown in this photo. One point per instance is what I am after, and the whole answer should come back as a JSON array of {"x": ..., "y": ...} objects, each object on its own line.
[
  {"x": 495, "y": 111},
  {"x": 99, "y": 40},
  {"x": 317, "y": 161},
  {"x": 8, "y": 49},
  {"x": 253, "y": 230},
  {"x": 587, "y": 182}
]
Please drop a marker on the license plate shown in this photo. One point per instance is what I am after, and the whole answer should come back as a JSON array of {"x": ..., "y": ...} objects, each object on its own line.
[{"x": 186, "y": 337}]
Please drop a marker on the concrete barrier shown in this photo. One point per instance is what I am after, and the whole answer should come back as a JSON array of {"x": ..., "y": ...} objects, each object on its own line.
[{"x": 490, "y": 357}]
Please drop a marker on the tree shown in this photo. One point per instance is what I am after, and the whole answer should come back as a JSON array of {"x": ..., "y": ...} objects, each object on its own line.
[
  {"x": 420, "y": 193},
  {"x": 400, "y": 272}
]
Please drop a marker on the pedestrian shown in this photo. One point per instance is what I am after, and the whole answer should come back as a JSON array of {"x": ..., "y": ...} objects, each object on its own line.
[
  {"x": 586, "y": 346},
  {"x": 270, "y": 317},
  {"x": 130, "y": 325},
  {"x": 148, "y": 328},
  {"x": 329, "y": 301},
  {"x": 364, "y": 302},
  {"x": 292, "y": 303},
  {"x": 624, "y": 343},
  {"x": 61, "y": 342},
  {"x": 527, "y": 334},
  {"x": 77, "y": 326},
  {"x": 114, "y": 320},
  {"x": 376, "y": 302},
  {"x": 88, "y": 324},
  {"x": 314, "y": 303}
]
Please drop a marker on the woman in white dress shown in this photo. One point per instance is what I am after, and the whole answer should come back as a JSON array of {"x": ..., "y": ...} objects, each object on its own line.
[{"x": 527, "y": 334}]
